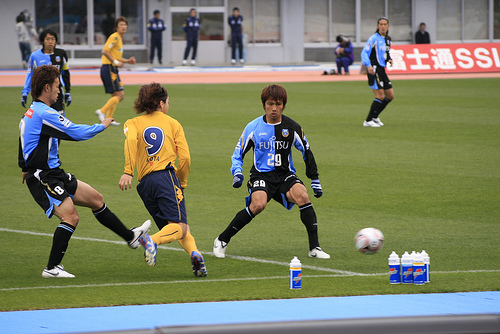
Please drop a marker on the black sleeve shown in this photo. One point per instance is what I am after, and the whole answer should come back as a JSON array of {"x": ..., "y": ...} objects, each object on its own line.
[
  {"x": 65, "y": 74},
  {"x": 20, "y": 159}
]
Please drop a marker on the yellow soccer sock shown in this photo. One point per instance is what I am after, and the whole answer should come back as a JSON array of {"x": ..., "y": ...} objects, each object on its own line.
[
  {"x": 167, "y": 234},
  {"x": 188, "y": 243},
  {"x": 110, "y": 106}
]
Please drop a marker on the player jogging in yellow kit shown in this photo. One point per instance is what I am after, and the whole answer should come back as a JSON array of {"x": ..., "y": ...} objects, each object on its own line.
[{"x": 153, "y": 142}]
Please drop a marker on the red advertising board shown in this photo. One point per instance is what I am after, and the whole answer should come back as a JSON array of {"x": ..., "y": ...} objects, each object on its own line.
[{"x": 445, "y": 58}]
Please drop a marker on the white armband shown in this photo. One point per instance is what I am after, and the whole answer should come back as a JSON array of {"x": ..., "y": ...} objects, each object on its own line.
[{"x": 116, "y": 62}]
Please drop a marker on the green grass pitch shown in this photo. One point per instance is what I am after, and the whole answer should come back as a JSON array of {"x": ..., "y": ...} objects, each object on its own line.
[{"x": 429, "y": 179}]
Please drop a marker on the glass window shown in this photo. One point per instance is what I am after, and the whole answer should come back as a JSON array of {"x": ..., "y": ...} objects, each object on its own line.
[
  {"x": 475, "y": 19},
  {"x": 267, "y": 21},
  {"x": 104, "y": 20},
  {"x": 399, "y": 15},
  {"x": 246, "y": 12},
  {"x": 183, "y": 3},
  {"x": 371, "y": 11},
  {"x": 47, "y": 15},
  {"x": 74, "y": 22},
  {"x": 316, "y": 21},
  {"x": 178, "y": 20},
  {"x": 212, "y": 28},
  {"x": 449, "y": 20},
  {"x": 133, "y": 11},
  {"x": 496, "y": 19},
  {"x": 344, "y": 19},
  {"x": 211, "y": 3}
]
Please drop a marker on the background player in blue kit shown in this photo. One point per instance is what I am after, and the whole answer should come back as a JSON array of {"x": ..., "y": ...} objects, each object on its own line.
[
  {"x": 375, "y": 56},
  {"x": 234, "y": 22},
  {"x": 56, "y": 191},
  {"x": 156, "y": 26},
  {"x": 191, "y": 27},
  {"x": 272, "y": 175},
  {"x": 49, "y": 55}
]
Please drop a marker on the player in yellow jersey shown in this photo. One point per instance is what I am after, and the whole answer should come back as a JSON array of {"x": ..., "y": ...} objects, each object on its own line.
[
  {"x": 153, "y": 142},
  {"x": 112, "y": 59}
]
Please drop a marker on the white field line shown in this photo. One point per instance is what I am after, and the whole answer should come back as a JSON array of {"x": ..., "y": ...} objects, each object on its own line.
[{"x": 336, "y": 273}]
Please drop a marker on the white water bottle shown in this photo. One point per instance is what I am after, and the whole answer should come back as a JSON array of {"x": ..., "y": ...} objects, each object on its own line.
[
  {"x": 407, "y": 268},
  {"x": 427, "y": 266},
  {"x": 295, "y": 274},
  {"x": 394, "y": 268},
  {"x": 418, "y": 269}
]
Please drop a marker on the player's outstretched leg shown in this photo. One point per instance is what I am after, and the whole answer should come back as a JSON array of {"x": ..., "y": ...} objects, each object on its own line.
[
  {"x": 219, "y": 248},
  {"x": 198, "y": 263},
  {"x": 138, "y": 232}
]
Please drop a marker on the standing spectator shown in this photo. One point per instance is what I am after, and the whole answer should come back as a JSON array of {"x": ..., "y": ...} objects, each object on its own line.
[
  {"x": 234, "y": 22},
  {"x": 191, "y": 27},
  {"x": 156, "y": 26},
  {"x": 57, "y": 192},
  {"x": 345, "y": 55},
  {"x": 272, "y": 175},
  {"x": 375, "y": 56},
  {"x": 25, "y": 32},
  {"x": 422, "y": 36},
  {"x": 50, "y": 55},
  {"x": 154, "y": 141},
  {"x": 112, "y": 59}
]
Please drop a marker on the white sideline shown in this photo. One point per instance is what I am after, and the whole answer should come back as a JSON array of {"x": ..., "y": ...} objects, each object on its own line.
[{"x": 337, "y": 273}]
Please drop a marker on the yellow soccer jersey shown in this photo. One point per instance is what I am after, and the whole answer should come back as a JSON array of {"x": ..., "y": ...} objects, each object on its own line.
[
  {"x": 114, "y": 45},
  {"x": 153, "y": 142}
]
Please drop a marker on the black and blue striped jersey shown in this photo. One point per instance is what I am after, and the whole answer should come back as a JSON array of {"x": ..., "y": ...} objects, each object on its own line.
[
  {"x": 376, "y": 50},
  {"x": 41, "y": 128},
  {"x": 272, "y": 147}
]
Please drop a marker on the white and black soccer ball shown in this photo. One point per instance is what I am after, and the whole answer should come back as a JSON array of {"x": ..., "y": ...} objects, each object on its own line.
[{"x": 369, "y": 240}]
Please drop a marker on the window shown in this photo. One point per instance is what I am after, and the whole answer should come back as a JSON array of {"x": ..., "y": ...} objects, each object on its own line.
[
  {"x": 496, "y": 19},
  {"x": 449, "y": 20},
  {"x": 267, "y": 21},
  {"x": 344, "y": 19},
  {"x": 475, "y": 19},
  {"x": 74, "y": 23},
  {"x": 246, "y": 10},
  {"x": 316, "y": 21},
  {"x": 399, "y": 15},
  {"x": 371, "y": 11}
]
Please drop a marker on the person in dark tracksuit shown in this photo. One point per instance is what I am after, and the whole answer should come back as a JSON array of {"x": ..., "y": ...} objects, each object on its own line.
[
  {"x": 191, "y": 27},
  {"x": 234, "y": 22},
  {"x": 156, "y": 26}
]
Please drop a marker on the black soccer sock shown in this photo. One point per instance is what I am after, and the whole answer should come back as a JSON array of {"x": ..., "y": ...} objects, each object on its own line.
[
  {"x": 308, "y": 217},
  {"x": 385, "y": 102},
  {"x": 374, "y": 109},
  {"x": 111, "y": 221},
  {"x": 239, "y": 221},
  {"x": 60, "y": 241}
]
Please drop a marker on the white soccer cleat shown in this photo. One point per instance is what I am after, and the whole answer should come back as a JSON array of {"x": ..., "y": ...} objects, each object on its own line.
[
  {"x": 115, "y": 123},
  {"x": 371, "y": 124},
  {"x": 242, "y": 61},
  {"x": 58, "y": 271},
  {"x": 138, "y": 232},
  {"x": 318, "y": 253},
  {"x": 193, "y": 62},
  {"x": 233, "y": 61},
  {"x": 378, "y": 121},
  {"x": 184, "y": 62},
  {"x": 220, "y": 248},
  {"x": 99, "y": 114}
]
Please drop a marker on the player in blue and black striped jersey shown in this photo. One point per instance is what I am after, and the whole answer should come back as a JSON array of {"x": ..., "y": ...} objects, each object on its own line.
[
  {"x": 49, "y": 55},
  {"x": 272, "y": 176},
  {"x": 375, "y": 56},
  {"x": 56, "y": 191}
]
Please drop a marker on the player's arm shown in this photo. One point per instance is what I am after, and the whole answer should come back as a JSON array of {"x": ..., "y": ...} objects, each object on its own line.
[
  {"x": 311, "y": 168},
  {"x": 130, "y": 152},
  {"x": 365, "y": 55},
  {"x": 62, "y": 128},
  {"x": 184, "y": 166},
  {"x": 27, "y": 82}
]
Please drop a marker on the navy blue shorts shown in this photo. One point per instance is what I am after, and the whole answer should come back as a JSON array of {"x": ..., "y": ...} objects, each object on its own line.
[
  {"x": 379, "y": 80},
  {"x": 163, "y": 196},
  {"x": 275, "y": 185},
  {"x": 111, "y": 79}
]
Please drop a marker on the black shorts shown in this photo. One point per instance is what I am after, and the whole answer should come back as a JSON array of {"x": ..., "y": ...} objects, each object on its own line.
[
  {"x": 111, "y": 79},
  {"x": 50, "y": 187},
  {"x": 275, "y": 185},
  {"x": 379, "y": 80}
]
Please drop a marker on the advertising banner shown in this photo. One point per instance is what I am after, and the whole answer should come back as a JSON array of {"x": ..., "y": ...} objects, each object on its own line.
[{"x": 445, "y": 58}]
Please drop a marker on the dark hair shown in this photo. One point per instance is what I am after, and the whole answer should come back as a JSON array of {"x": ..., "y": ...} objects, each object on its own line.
[
  {"x": 156, "y": 12},
  {"x": 43, "y": 75},
  {"x": 44, "y": 33},
  {"x": 149, "y": 98},
  {"x": 236, "y": 8},
  {"x": 274, "y": 92},
  {"x": 20, "y": 18},
  {"x": 120, "y": 19}
]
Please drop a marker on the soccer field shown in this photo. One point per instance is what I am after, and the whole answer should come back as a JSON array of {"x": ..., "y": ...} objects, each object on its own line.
[{"x": 429, "y": 179}]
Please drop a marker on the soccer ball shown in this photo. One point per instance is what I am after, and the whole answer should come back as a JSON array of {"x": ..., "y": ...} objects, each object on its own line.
[{"x": 369, "y": 240}]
